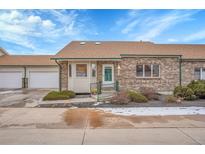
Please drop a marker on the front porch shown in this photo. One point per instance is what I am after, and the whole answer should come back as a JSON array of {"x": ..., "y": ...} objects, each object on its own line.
[{"x": 80, "y": 75}]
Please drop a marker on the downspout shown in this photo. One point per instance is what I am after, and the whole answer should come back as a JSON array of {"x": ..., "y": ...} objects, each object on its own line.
[
  {"x": 180, "y": 70},
  {"x": 60, "y": 69},
  {"x": 24, "y": 79}
]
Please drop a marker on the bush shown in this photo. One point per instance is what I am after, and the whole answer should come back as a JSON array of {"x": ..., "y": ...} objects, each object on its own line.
[
  {"x": 191, "y": 98},
  {"x": 149, "y": 93},
  {"x": 69, "y": 93},
  {"x": 171, "y": 99},
  {"x": 198, "y": 88},
  {"x": 184, "y": 92},
  {"x": 180, "y": 91},
  {"x": 55, "y": 95},
  {"x": 137, "y": 97},
  {"x": 120, "y": 98},
  {"x": 94, "y": 91}
]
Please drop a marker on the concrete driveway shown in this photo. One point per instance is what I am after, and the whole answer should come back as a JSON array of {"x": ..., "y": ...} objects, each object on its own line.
[
  {"x": 92, "y": 126},
  {"x": 21, "y": 97}
]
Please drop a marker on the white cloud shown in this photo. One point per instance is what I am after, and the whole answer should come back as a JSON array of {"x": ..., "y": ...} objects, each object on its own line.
[
  {"x": 172, "y": 40},
  {"x": 33, "y": 28},
  {"x": 195, "y": 36},
  {"x": 48, "y": 24},
  {"x": 130, "y": 26},
  {"x": 149, "y": 24},
  {"x": 157, "y": 25},
  {"x": 34, "y": 19}
]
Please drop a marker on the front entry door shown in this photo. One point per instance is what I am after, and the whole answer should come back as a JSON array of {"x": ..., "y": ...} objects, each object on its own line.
[{"x": 108, "y": 74}]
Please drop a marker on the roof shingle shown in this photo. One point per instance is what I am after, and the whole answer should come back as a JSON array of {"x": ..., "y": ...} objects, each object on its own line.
[{"x": 113, "y": 49}]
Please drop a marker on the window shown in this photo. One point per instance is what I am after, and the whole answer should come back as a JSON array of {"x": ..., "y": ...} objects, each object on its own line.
[
  {"x": 81, "y": 70},
  {"x": 155, "y": 69},
  {"x": 70, "y": 70},
  {"x": 199, "y": 73},
  {"x": 148, "y": 71},
  {"x": 93, "y": 70},
  {"x": 203, "y": 74},
  {"x": 139, "y": 70}
]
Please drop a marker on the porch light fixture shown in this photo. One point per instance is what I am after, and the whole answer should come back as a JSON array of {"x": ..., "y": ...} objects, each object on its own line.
[{"x": 118, "y": 69}]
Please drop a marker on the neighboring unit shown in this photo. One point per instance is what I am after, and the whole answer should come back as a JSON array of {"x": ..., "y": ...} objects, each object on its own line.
[{"x": 83, "y": 63}]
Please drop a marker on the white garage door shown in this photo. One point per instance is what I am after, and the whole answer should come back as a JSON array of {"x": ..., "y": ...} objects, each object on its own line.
[
  {"x": 11, "y": 79},
  {"x": 48, "y": 79}
]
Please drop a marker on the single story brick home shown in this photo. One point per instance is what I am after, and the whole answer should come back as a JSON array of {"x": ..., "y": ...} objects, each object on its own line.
[{"x": 81, "y": 63}]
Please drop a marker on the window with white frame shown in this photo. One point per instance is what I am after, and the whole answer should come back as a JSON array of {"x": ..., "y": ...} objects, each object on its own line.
[
  {"x": 148, "y": 70},
  {"x": 93, "y": 66},
  {"x": 81, "y": 70},
  {"x": 199, "y": 73}
]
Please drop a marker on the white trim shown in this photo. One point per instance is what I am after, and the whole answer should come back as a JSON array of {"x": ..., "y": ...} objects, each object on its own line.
[
  {"x": 201, "y": 75},
  {"x": 143, "y": 72},
  {"x": 103, "y": 74}
]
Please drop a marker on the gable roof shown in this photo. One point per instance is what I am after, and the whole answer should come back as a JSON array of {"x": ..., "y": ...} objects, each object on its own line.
[
  {"x": 114, "y": 49},
  {"x": 29, "y": 60}
]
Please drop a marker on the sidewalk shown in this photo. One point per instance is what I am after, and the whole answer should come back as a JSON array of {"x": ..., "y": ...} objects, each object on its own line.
[
  {"x": 104, "y": 136},
  {"x": 94, "y": 126}
]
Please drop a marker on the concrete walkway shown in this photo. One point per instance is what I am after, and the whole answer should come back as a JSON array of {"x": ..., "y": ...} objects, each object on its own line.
[
  {"x": 155, "y": 136},
  {"x": 91, "y": 126}
]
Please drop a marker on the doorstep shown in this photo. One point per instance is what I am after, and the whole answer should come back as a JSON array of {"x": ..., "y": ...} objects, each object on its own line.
[{"x": 78, "y": 102}]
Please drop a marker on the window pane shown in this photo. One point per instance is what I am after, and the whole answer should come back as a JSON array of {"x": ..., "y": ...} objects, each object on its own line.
[
  {"x": 147, "y": 70},
  {"x": 197, "y": 73},
  {"x": 70, "y": 70},
  {"x": 81, "y": 70},
  {"x": 155, "y": 71},
  {"x": 108, "y": 74},
  {"x": 93, "y": 70},
  {"x": 203, "y": 74},
  {"x": 139, "y": 70}
]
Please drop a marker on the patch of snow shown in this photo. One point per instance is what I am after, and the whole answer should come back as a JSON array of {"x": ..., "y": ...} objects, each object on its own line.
[
  {"x": 148, "y": 111},
  {"x": 10, "y": 92},
  {"x": 97, "y": 103}
]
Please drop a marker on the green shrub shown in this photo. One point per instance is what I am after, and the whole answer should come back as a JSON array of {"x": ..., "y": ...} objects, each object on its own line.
[
  {"x": 198, "y": 87},
  {"x": 180, "y": 91},
  {"x": 191, "y": 98},
  {"x": 69, "y": 93},
  {"x": 184, "y": 92},
  {"x": 170, "y": 99},
  {"x": 55, "y": 95},
  {"x": 137, "y": 97}
]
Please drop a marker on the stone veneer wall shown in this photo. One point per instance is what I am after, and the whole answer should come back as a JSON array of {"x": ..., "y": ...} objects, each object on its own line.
[
  {"x": 99, "y": 69},
  {"x": 188, "y": 70},
  {"x": 169, "y": 74},
  {"x": 64, "y": 75}
]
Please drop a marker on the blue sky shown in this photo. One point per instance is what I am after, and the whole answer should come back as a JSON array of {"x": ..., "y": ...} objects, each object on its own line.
[{"x": 47, "y": 31}]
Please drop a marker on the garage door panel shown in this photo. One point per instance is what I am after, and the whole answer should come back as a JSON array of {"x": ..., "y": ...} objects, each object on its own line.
[
  {"x": 43, "y": 79},
  {"x": 11, "y": 79}
]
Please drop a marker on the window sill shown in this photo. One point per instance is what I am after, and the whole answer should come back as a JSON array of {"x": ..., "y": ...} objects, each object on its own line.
[{"x": 148, "y": 78}]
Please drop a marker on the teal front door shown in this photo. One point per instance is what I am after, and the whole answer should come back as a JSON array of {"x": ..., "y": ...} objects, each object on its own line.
[{"x": 108, "y": 74}]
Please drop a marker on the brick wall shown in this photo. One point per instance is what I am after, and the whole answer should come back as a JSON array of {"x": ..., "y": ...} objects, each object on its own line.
[
  {"x": 169, "y": 74},
  {"x": 64, "y": 75},
  {"x": 188, "y": 70}
]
